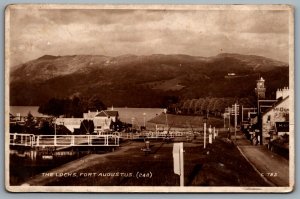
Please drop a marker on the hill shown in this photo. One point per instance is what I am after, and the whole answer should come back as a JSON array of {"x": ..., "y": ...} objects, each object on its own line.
[{"x": 142, "y": 81}]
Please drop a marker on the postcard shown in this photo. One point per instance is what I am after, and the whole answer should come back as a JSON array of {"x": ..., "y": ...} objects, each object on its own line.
[{"x": 149, "y": 98}]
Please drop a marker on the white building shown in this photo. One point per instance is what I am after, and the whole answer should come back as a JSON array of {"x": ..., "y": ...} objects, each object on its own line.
[
  {"x": 102, "y": 120},
  {"x": 275, "y": 120},
  {"x": 282, "y": 93}
]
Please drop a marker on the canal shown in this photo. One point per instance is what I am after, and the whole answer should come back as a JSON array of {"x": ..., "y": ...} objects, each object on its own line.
[{"x": 26, "y": 163}]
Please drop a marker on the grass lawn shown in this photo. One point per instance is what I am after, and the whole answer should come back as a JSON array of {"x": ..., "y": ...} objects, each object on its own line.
[
  {"x": 220, "y": 164},
  {"x": 183, "y": 121}
]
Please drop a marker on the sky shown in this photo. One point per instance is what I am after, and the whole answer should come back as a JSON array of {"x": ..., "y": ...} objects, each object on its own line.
[{"x": 37, "y": 32}]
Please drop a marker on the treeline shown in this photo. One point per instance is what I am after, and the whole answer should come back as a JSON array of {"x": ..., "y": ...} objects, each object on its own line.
[
  {"x": 211, "y": 106},
  {"x": 38, "y": 126},
  {"x": 71, "y": 107}
]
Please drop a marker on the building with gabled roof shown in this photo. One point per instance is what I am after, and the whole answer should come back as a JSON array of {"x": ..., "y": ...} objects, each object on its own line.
[
  {"x": 109, "y": 114},
  {"x": 274, "y": 117},
  {"x": 102, "y": 119}
]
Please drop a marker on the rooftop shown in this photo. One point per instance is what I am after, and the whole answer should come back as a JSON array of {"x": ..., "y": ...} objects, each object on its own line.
[{"x": 107, "y": 113}]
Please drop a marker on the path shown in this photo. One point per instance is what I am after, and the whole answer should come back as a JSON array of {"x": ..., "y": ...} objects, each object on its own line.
[{"x": 271, "y": 166}]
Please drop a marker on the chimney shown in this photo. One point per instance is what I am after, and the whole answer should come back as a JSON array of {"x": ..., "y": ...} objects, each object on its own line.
[{"x": 283, "y": 93}]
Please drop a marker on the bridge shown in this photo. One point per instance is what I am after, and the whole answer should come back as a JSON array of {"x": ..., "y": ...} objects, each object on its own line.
[
  {"x": 31, "y": 140},
  {"x": 102, "y": 139}
]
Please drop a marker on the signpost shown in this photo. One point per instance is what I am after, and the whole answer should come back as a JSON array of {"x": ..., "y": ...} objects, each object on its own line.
[{"x": 178, "y": 161}]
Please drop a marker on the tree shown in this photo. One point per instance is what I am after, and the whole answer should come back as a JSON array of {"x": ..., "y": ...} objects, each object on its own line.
[
  {"x": 73, "y": 107},
  {"x": 87, "y": 127},
  {"x": 29, "y": 119},
  {"x": 210, "y": 106},
  {"x": 204, "y": 105},
  {"x": 94, "y": 104},
  {"x": 197, "y": 106},
  {"x": 192, "y": 105},
  {"x": 46, "y": 128},
  {"x": 185, "y": 106},
  {"x": 76, "y": 107},
  {"x": 54, "y": 107}
]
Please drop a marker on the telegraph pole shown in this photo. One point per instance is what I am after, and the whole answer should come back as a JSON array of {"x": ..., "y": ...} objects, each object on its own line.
[
  {"x": 165, "y": 110},
  {"x": 242, "y": 114},
  {"x": 55, "y": 131},
  {"x": 235, "y": 120},
  {"x": 204, "y": 129}
]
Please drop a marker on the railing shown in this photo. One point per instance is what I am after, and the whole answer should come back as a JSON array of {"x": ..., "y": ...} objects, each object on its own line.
[
  {"x": 63, "y": 140},
  {"x": 21, "y": 139},
  {"x": 153, "y": 135}
]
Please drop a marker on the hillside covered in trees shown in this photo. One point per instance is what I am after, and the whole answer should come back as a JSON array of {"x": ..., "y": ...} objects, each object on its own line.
[
  {"x": 208, "y": 106},
  {"x": 143, "y": 81}
]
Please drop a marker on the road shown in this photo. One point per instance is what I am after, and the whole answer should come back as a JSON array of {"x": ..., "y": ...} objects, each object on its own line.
[{"x": 271, "y": 166}]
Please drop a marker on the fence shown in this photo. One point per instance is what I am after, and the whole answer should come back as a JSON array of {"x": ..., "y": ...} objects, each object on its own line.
[{"x": 17, "y": 139}]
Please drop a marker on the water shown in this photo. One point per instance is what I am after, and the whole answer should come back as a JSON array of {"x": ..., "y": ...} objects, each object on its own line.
[
  {"x": 22, "y": 168},
  {"x": 22, "y": 165},
  {"x": 137, "y": 115}
]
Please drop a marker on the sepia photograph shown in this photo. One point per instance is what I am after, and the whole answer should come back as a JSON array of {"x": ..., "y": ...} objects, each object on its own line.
[{"x": 149, "y": 98}]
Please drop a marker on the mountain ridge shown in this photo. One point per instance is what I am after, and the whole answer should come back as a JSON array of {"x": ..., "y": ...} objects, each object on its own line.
[{"x": 140, "y": 79}]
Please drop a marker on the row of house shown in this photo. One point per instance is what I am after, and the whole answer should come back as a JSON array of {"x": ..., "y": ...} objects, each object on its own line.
[
  {"x": 275, "y": 120},
  {"x": 269, "y": 121}
]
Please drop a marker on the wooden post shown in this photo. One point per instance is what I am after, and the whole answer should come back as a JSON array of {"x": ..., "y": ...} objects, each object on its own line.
[
  {"x": 210, "y": 135},
  {"x": 181, "y": 166},
  {"x": 224, "y": 120},
  {"x": 38, "y": 140},
  {"x": 55, "y": 140},
  {"x": 235, "y": 120},
  {"x": 72, "y": 140},
  {"x": 229, "y": 118},
  {"x": 32, "y": 140},
  {"x": 214, "y": 134},
  {"x": 14, "y": 138},
  {"x": 242, "y": 114},
  {"x": 25, "y": 140},
  {"x": 204, "y": 128}
]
